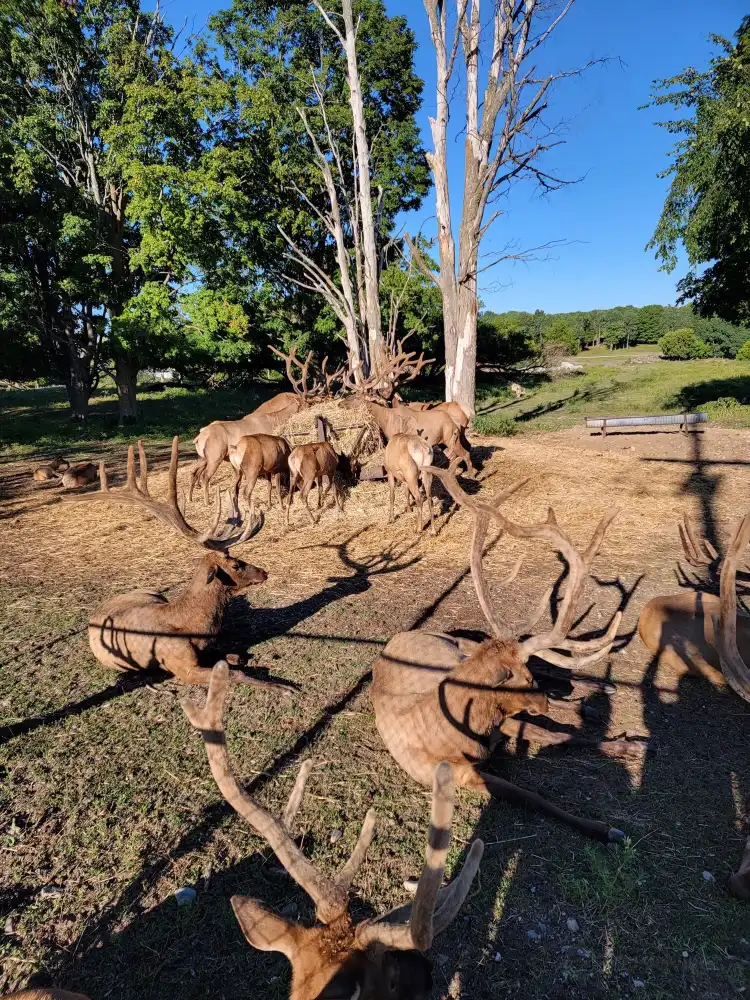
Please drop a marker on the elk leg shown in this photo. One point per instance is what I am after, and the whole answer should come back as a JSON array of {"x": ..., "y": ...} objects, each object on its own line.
[
  {"x": 202, "y": 675},
  {"x": 411, "y": 481},
  {"x": 270, "y": 492},
  {"x": 503, "y": 789},
  {"x": 527, "y": 731},
  {"x": 292, "y": 484},
  {"x": 277, "y": 481},
  {"x": 427, "y": 483},
  {"x": 212, "y": 464},
  {"x": 237, "y": 481},
  {"x": 304, "y": 493},
  {"x": 196, "y": 477},
  {"x": 320, "y": 491},
  {"x": 392, "y": 492}
]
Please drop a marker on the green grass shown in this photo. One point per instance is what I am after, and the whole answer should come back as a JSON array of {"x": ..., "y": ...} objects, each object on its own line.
[
  {"x": 626, "y": 390},
  {"x": 620, "y": 354},
  {"x": 37, "y": 421}
]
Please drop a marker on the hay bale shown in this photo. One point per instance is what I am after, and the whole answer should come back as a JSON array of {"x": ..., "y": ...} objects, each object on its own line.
[{"x": 345, "y": 428}]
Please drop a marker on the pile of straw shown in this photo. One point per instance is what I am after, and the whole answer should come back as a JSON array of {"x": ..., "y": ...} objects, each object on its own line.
[{"x": 345, "y": 427}]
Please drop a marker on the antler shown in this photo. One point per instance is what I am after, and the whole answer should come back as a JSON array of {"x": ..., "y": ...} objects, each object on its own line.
[
  {"x": 319, "y": 389},
  {"x": 433, "y": 908},
  {"x": 733, "y": 666},
  {"x": 136, "y": 492},
  {"x": 545, "y": 644},
  {"x": 698, "y": 551},
  {"x": 387, "y": 372},
  {"x": 331, "y": 896}
]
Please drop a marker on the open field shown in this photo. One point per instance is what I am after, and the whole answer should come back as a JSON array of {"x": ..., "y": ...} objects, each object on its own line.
[
  {"x": 107, "y": 805},
  {"x": 624, "y": 390}
]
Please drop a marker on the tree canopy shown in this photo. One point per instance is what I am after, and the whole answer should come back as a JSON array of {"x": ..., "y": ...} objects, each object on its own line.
[{"x": 707, "y": 209}]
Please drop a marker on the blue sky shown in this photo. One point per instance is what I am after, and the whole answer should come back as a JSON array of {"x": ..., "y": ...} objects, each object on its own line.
[{"x": 606, "y": 219}]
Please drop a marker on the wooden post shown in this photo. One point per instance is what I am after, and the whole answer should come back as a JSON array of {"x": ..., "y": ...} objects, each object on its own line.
[
  {"x": 322, "y": 428},
  {"x": 684, "y": 424},
  {"x": 604, "y": 427}
]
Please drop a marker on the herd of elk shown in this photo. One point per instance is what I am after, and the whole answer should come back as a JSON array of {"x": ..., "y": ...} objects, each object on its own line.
[
  {"x": 142, "y": 630},
  {"x": 443, "y": 705}
]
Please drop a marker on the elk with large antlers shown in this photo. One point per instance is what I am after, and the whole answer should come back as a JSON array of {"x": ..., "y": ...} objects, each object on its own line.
[
  {"x": 320, "y": 388},
  {"x": 377, "y": 959},
  {"x": 394, "y": 367},
  {"x": 703, "y": 632},
  {"x": 406, "y": 458},
  {"x": 257, "y": 456},
  {"x": 441, "y": 698},
  {"x": 142, "y": 630}
]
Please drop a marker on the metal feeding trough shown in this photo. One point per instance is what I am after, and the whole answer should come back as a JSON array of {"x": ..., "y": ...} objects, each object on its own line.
[{"x": 685, "y": 420}]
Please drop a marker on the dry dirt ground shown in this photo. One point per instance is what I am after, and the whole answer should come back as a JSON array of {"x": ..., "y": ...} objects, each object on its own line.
[{"x": 107, "y": 805}]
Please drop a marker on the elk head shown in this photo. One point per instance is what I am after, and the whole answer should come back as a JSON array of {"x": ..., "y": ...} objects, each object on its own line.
[
  {"x": 320, "y": 388},
  {"x": 377, "y": 959},
  {"x": 513, "y": 653},
  {"x": 394, "y": 367}
]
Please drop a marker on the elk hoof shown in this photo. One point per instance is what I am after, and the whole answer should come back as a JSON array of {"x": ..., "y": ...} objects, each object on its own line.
[{"x": 615, "y": 836}]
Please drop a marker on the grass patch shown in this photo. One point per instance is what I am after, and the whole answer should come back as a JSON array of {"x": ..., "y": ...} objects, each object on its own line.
[{"x": 627, "y": 390}]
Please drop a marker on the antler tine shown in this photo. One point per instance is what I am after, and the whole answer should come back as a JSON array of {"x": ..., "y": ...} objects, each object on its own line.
[
  {"x": 698, "y": 551},
  {"x": 330, "y": 899},
  {"x": 579, "y": 566},
  {"x": 733, "y": 666},
  {"x": 415, "y": 925}
]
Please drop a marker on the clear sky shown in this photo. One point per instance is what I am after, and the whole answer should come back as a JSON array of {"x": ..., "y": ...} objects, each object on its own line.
[{"x": 606, "y": 219}]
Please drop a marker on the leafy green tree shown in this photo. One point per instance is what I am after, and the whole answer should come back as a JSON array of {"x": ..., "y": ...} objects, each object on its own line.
[
  {"x": 708, "y": 205},
  {"x": 648, "y": 324},
  {"x": 561, "y": 332},
  {"x": 615, "y": 336},
  {"x": 505, "y": 341},
  {"x": 683, "y": 345},
  {"x": 744, "y": 352}
]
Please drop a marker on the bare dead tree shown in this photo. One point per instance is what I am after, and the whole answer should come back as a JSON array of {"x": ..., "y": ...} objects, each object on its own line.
[{"x": 505, "y": 138}]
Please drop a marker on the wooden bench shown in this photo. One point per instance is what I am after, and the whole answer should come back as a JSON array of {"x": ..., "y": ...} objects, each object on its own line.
[{"x": 685, "y": 420}]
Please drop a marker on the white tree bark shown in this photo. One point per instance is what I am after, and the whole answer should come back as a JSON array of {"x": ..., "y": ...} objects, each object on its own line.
[{"x": 501, "y": 144}]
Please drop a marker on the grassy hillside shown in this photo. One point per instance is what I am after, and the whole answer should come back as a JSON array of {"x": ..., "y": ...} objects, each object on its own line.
[{"x": 624, "y": 390}]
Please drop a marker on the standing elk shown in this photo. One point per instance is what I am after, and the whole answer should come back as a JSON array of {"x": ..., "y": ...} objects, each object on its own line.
[
  {"x": 406, "y": 457},
  {"x": 441, "y": 698},
  {"x": 455, "y": 411},
  {"x": 52, "y": 470},
  {"x": 259, "y": 456},
  {"x": 313, "y": 463},
  {"x": 702, "y": 632},
  {"x": 380, "y": 957},
  {"x": 79, "y": 475},
  {"x": 435, "y": 428},
  {"x": 142, "y": 630}
]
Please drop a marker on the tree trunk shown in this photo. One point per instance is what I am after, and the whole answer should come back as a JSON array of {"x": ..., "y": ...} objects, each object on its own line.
[
  {"x": 462, "y": 388},
  {"x": 369, "y": 238},
  {"x": 126, "y": 377},
  {"x": 78, "y": 383}
]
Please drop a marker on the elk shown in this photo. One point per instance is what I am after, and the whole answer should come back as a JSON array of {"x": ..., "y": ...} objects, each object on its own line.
[
  {"x": 455, "y": 411},
  {"x": 377, "y": 959},
  {"x": 52, "y": 470},
  {"x": 699, "y": 631},
  {"x": 312, "y": 463},
  {"x": 437, "y": 697},
  {"x": 259, "y": 455},
  {"x": 435, "y": 427},
  {"x": 406, "y": 457},
  {"x": 394, "y": 367},
  {"x": 142, "y": 630},
  {"x": 79, "y": 475}
]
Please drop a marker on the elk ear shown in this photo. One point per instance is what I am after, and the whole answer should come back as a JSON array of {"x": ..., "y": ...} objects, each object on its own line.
[
  {"x": 211, "y": 574},
  {"x": 263, "y": 929}
]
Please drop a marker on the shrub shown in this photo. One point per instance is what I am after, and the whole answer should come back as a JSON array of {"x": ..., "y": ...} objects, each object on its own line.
[
  {"x": 682, "y": 345},
  {"x": 744, "y": 352},
  {"x": 724, "y": 404},
  {"x": 497, "y": 424}
]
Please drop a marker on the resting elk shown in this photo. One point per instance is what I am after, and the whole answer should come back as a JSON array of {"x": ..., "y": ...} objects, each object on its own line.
[
  {"x": 441, "y": 698},
  {"x": 142, "y": 630},
  {"x": 699, "y": 631},
  {"x": 52, "y": 470},
  {"x": 406, "y": 457},
  {"x": 377, "y": 959},
  {"x": 79, "y": 475},
  {"x": 257, "y": 456}
]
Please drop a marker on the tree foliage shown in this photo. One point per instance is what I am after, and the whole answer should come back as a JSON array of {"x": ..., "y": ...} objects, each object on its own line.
[
  {"x": 707, "y": 208},
  {"x": 683, "y": 345}
]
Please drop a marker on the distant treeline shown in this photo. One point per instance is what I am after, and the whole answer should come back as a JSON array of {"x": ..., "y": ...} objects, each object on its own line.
[{"x": 512, "y": 337}]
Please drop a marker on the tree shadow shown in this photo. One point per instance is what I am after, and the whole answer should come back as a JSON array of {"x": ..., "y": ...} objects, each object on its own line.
[{"x": 690, "y": 397}]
